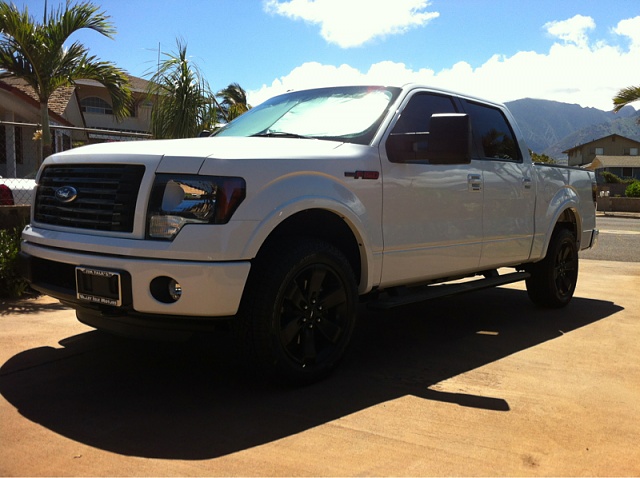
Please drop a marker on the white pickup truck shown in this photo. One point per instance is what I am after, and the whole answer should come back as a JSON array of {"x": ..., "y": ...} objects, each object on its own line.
[{"x": 281, "y": 222}]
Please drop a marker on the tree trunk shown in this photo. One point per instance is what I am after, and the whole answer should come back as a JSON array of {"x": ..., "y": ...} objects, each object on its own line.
[{"x": 47, "y": 149}]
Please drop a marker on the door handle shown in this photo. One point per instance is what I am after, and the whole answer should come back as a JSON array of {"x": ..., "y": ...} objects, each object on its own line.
[
  {"x": 475, "y": 182},
  {"x": 526, "y": 182}
]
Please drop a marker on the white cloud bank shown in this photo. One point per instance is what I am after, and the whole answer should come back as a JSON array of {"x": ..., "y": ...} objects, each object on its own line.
[
  {"x": 382, "y": 18},
  {"x": 574, "y": 70}
]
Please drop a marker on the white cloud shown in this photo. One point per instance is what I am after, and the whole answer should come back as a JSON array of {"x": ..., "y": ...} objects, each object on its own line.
[
  {"x": 378, "y": 18},
  {"x": 630, "y": 28},
  {"x": 572, "y": 71},
  {"x": 574, "y": 30}
]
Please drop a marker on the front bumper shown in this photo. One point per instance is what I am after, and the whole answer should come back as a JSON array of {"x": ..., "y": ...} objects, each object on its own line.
[{"x": 209, "y": 289}]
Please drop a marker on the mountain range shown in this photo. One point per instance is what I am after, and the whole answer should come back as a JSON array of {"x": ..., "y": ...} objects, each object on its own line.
[{"x": 550, "y": 127}]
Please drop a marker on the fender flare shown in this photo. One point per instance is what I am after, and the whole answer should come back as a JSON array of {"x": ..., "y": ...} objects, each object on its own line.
[
  {"x": 564, "y": 204},
  {"x": 343, "y": 203}
]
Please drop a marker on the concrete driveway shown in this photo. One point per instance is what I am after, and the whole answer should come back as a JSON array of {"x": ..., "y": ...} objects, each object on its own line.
[{"x": 482, "y": 384}]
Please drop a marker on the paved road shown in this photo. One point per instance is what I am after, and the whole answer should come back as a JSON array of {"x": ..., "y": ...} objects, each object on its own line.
[
  {"x": 482, "y": 384},
  {"x": 619, "y": 240}
]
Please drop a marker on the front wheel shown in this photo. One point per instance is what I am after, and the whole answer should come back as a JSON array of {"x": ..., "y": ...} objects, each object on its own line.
[
  {"x": 553, "y": 280},
  {"x": 300, "y": 309}
]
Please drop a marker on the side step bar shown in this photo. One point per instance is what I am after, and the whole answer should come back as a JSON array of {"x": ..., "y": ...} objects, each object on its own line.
[{"x": 428, "y": 292}]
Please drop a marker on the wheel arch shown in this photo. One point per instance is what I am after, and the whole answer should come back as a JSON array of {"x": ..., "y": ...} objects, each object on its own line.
[
  {"x": 330, "y": 227},
  {"x": 568, "y": 219}
]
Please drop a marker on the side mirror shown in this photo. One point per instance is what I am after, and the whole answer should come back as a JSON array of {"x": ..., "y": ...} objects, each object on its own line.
[
  {"x": 449, "y": 139},
  {"x": 447, "y": 142}
]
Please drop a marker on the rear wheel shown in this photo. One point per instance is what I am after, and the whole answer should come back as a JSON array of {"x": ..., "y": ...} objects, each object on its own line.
[
  {"x": 300, "y": 309},
  {"x": 553, "y": 280}
]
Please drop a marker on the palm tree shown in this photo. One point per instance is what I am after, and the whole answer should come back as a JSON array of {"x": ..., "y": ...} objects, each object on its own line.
[
  {"x": 234, "y": 101},
  {"x": 36, "y": 53},
  {"x": 183, "y": 102},
  {"x": 626, "y": 96}
]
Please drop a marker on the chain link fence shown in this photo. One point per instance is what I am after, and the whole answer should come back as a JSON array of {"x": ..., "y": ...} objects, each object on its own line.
[
  {"x": 16, "y": 191},
  {"x": 21, "y": 154}
]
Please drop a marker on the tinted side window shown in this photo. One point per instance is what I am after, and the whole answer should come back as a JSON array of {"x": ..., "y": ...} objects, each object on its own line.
[
  {"x": 408, "y": 140},
  {"x": 492, "y": 129},
  {"x": 417, "y": 114}
]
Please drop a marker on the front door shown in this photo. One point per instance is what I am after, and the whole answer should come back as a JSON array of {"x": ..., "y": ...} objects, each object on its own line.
[{"x": 432, "y": 213}]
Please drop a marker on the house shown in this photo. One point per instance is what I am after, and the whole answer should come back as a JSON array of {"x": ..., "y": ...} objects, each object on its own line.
[
  {"x": 19, "y": 107},
  {"x": 614, "y": 153},
  {"x": 79, "y": 114},
  {"x": 95, "y": 106}
]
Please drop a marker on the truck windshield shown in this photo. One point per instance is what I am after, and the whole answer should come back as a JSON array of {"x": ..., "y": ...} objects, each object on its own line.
[{"x": 350, "y": 114}]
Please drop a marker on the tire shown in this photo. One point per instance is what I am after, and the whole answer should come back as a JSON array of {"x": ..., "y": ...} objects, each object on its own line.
[
  {"x": 553, "y": 280},
  {"x": 299, "y": 310}
]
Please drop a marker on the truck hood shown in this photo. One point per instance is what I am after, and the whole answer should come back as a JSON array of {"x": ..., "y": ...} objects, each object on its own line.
[{"x": 214, "y": 148}]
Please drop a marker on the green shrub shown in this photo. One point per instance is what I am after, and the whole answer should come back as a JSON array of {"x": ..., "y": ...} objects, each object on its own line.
[
  {"x": 633, "y": 190},
  {"x": 610, "y": 178},
  {"x": 12, "y": 285}
]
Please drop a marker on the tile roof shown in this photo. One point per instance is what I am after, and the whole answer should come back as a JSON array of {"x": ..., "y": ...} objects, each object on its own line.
[
  {"x": 57, "y": 102},
  {"x": 613, "y": 162},
  {"x": 136, "y": 84}
]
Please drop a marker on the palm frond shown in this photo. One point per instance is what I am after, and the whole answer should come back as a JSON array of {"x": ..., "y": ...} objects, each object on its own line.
[
  {"x": 62, "y": 23},
  {"x": 181, "y": 97},
  {"x": 626, "y": 96},
  {"x": 233, "y": 101}
]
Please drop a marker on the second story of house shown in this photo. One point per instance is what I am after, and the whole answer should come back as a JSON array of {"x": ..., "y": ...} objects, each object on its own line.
[
  {"x": 612, "y": 145},
  {"x": 97, "y": 112}
]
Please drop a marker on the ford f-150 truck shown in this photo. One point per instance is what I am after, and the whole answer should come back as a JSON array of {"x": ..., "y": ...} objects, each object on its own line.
[{"x": 282, "y": 221}]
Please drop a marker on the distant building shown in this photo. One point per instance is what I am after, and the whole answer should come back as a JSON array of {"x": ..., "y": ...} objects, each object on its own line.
[
  {"x": 614, "y": 153},
  {"x": 85, "y": 106}
]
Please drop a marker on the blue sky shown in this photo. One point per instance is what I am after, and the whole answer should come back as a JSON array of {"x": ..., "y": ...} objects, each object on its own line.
[{"x": 574, "y": 51}]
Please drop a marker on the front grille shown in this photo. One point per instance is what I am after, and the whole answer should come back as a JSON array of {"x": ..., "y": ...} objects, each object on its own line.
[{"x": 106, "y": 196}]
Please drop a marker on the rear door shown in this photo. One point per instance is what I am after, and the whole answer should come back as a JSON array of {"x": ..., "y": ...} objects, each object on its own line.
[{"x": 509, "y": 195}]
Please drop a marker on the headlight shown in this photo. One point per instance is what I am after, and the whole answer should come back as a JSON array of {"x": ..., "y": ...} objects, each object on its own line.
[{"x": 191, "y": 199}]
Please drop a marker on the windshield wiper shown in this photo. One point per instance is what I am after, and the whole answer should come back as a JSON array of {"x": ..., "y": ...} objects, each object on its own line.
[{"x": 281, "y": 134}]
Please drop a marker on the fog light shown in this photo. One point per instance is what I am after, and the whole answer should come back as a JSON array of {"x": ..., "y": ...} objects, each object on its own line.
[
  {"x": 165, "y": 289},
  {"x": 175, "y": 290}
]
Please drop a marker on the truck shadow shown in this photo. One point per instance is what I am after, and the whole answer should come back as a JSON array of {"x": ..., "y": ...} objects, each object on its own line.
[{"x": 191, "y": 401}]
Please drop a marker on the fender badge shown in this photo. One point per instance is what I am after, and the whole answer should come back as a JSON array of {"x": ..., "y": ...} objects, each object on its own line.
[{"x": 362, "y": 174}]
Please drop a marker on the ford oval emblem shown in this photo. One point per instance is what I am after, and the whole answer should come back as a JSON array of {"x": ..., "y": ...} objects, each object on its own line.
[{"x": 66, "y": 194}]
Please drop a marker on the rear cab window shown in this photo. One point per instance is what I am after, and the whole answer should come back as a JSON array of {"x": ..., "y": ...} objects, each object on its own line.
[{"x": 492, "y": 133}]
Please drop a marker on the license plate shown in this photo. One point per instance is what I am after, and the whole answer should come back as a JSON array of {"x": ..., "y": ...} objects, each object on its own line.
[{"x": 99, "y": 286}]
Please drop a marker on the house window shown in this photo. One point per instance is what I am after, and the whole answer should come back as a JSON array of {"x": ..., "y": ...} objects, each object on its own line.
[
  {"x": 96, "y": 105},
  {"x": 16, "y": 145},
  {"x": 3, "y": 145},
  {"x": 19, "y": 149},
  {"x": 600, "y": 151},
  {"x": 633, "y": 151},
  {"x": 627, "y": 172},
  {"x": 66, "y": 142}
]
